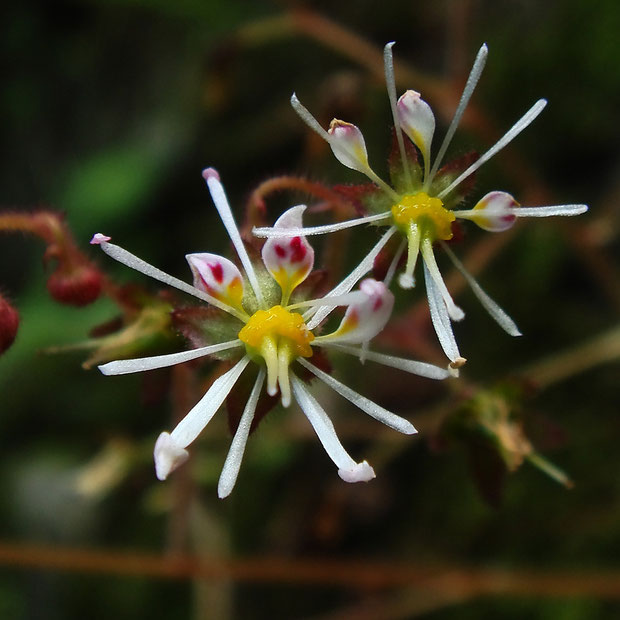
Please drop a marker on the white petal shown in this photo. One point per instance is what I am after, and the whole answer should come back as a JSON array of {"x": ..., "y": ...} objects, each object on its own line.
[
  {"x": 422, "y": 369},
  {"x": 512, "y": 133},
  {"x": 552, "y": 210},
  {"x": 230, "y": 471},
  {"x": 220, "y": 201},
  {"x": 470, "y": 86},
  {"x": 192, "y": 424},
  {"x": 218, "y": 277},
  {"x": 456, "y": 314},
  {"x": 123, "y": 367},
  {"x": 348, "y": 145},
  {"x": 368, "y": 406},
  {"x": 125, "y": 257},
  {"x": 441, "y": 320},
  {"x": 350, "y": 281},
  {"x": 418, "y": 121},
  {"x": 498, "y": 314},
  {"x": 168, "y": 455},
  {"x": 274, "y": 233},
  {"x": 365, "y": 318},
  {"x": 348, "y": 469},
  {"x": 289, "y": 260},
  {"x": 495, "y": 212}
]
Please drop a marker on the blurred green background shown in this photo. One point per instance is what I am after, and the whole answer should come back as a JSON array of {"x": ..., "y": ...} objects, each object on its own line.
[{"x": 111, "y": 108}]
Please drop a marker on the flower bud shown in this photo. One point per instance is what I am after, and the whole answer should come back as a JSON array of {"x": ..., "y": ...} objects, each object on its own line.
[
  {"x": 76, "y": 286},
  {"x": 347, "y": 143},
  {"x": 417, "y": 120},
  {"x": 9, "y": 322}
]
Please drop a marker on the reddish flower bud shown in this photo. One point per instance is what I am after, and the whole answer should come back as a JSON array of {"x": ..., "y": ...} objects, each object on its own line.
[
  {"x": 9, "y": 322},
  {"x": 79, "y": 286}
]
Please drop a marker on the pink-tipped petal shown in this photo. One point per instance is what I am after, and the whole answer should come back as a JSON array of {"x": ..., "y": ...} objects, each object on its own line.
[
  {"x": 218, "y": 277},
  {"x": 495, "y": 212},
  {"x": 362, "y": 472},
  {"x": 348, "y": 145},
  {"x": 168, "y": 455},
  {"x": 417, "y": 120},
  {"x": 289, "y": 260},
  {"x": 98, "y": 239},
  {"x": 367, "y": 316}
]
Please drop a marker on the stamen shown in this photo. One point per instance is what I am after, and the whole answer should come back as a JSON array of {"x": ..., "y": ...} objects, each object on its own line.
[
  {"x": 498, "y": 314},
  {"x": 441, "y": 321},
  {"x": 406, "y": 279},
  {"x": 390, "y": 82},
  {"x": 123, "y": 367},
  {"x": 194, "y": 422},
  {"x": 470, "y": 86},
  {"x": 348, "y": 469},
  {"x": 430, "y": 371},
  {"x": 512, "y": 133},
  {"x": 350, "y": 281},
  {"x": 223, "y": 207},
  {"x": 230, "y": 471},
  {"x": 279, "y": 233},
  {"x": 367, "y": 406},
  {"x": 130, "y": 260},
  {"x": 456, "y": 314}
]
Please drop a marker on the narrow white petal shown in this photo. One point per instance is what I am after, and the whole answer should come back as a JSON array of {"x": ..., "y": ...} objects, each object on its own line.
[
  {"x": 192, "y": 424},
  {"x": 350, "y": 281},
  {"x": 230, "y": 471},
  {"x": 279, "y": 233},
  {"x": 512, "y": 133},
  {"x": 440, "y": 319},
  {"x": 498, "y": 314},
  {"x": 168, "y": 455},
  {"x": 390, "y": 82},
  {"x": 548, "y": 211},
  {"x": 368, "y": 406},
  {"x": 223, "y": 208},
  {"x": 470, "y": 86},
  {"x": 422, "y": 369},
  {"x": 123, "y": 367},
  {"x": 348, "y": 469},
  {"x": 456, "y": 314},
  {"x": 129, "y": 259}
]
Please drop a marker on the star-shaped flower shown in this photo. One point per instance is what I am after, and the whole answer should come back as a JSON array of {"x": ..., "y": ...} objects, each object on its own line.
[
  {"x": 274, "y": 336},
  {"x": 421, "y": 204}
]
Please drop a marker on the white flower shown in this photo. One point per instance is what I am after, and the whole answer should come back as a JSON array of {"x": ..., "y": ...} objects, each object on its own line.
[
  {"x": 420, "y": 207},
  {"x": 273, "y": 336}
]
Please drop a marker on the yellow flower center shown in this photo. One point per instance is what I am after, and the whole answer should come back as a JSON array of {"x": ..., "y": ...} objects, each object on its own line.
[
  {"x": 277, "y": 323},
  {"x": 427, "y": 212},
  {"x": 279, "y": 337}
]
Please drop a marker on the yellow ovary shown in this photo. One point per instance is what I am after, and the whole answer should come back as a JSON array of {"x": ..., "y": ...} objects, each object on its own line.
[
  {"x": 426, "y": 212},
  {"x": 288, "y": 327}
]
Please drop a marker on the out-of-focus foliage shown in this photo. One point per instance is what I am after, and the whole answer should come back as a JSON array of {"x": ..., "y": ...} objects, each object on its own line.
[{"x": 110, "y": 110}]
